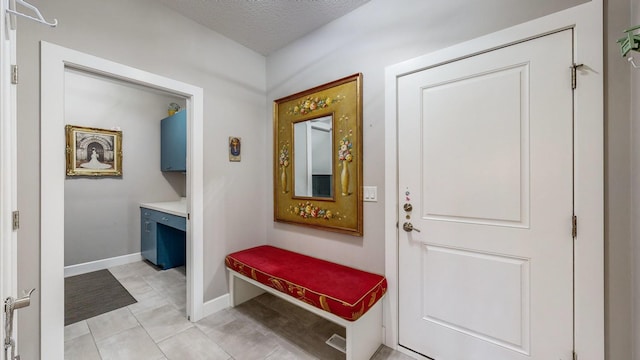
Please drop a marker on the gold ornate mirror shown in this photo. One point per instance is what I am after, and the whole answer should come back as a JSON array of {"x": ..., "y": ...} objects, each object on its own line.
[{"x": 318, "y": 157}]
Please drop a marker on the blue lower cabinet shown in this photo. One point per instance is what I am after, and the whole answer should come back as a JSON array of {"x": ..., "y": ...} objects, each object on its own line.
[
  {"x": 171, "y": 247},
  {"x": 163, "y": 238}
]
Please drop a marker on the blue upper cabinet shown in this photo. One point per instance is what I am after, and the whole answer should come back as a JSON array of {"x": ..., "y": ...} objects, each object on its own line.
[{"x": 173, "y": 142}]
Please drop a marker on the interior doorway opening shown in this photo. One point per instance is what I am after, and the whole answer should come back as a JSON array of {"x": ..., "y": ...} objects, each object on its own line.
[{"x": 104, "y": 227}]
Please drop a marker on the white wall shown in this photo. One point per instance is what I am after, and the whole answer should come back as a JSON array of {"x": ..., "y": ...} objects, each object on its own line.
[
  {"x": 102, "y": 217},
  {"x": 322, "y": 150},
  {"x": 146, "y": 35}
]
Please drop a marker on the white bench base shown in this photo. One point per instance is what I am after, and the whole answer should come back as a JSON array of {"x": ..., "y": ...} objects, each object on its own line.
[{"x": 364, "y": 336}]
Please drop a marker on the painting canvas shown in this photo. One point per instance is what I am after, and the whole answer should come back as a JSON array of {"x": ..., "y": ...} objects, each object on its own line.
[{"x": 93, "y": 152}]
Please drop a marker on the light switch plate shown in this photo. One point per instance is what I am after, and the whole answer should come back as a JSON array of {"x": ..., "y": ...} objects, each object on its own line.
[{"x": 370, "y": 193}]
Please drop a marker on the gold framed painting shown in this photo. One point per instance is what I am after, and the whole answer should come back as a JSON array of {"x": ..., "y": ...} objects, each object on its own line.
[
  {"x": 93, "y": 152},
  {"x": 234, "y": 148},
  {"x": 317, "y": 170}
]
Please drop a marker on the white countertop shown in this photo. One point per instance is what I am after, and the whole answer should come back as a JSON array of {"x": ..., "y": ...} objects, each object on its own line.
[{"x": 178, "y": 208}]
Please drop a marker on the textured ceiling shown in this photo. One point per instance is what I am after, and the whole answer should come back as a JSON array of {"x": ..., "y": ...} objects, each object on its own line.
[{"x": 263, "y": 25}]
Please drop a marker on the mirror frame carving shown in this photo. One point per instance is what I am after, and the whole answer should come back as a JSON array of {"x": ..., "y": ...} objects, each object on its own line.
[{"x": 342, "y": 99}]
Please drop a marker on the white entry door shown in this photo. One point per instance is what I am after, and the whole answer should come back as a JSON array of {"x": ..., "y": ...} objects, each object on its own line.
[{"x": 486, "y": 164}]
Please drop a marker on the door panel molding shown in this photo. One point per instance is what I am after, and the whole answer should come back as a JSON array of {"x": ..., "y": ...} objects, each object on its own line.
[
  {"x": 516, "y": 284},
  {"x": 468, "y": 186}
]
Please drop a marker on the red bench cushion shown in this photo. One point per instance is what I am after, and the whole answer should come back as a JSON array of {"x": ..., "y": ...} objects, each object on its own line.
[{"x": 338, "y": 289}]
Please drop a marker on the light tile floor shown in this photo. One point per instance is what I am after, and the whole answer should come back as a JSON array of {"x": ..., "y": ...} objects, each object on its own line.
[{"x": 156, "y": 328}]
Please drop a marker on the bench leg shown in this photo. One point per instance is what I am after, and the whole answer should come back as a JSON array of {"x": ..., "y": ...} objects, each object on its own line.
[
  {"x": 241, "y": 291},
  {"x": 364, "y": 335}
]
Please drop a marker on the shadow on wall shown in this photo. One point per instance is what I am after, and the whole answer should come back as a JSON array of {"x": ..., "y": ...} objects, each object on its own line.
[{"x": 178, "y": 182}]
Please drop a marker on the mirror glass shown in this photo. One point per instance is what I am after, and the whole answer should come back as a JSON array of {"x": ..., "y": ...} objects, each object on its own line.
[{"x": 313, "y": 160}]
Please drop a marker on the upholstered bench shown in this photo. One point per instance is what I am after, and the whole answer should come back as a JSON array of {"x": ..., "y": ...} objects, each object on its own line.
[{"x": 343, "y": 295}]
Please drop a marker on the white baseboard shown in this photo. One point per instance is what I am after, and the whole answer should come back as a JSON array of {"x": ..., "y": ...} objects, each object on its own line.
[
  {"x": 213, "y": 306},
  {"x": 88, "y": 267}
]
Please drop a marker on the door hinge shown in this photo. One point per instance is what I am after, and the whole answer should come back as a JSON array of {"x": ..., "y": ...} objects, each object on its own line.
[
  {"x": 14, "y": 74},
  {"x": 574, "y": 226},
  {"x": 574, "y": 75},
  {"x": 575, "y": 355},
  {"x": 15, "y": 220}
]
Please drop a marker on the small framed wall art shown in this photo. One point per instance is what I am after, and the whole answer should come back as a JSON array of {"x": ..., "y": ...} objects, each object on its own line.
[
  {"x": 234, "y": 148},
  {"x": 93, "y": 152}
]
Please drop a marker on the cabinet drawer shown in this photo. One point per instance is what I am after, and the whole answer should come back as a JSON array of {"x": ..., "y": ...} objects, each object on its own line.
[{"x": 170, "y": 220}]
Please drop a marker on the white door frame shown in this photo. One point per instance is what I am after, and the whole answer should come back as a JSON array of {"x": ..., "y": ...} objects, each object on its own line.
[
  {"x": 587, "y": 23},
  {"x": 8, "y": 168},
  {"x": 54, "y": 60}
]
